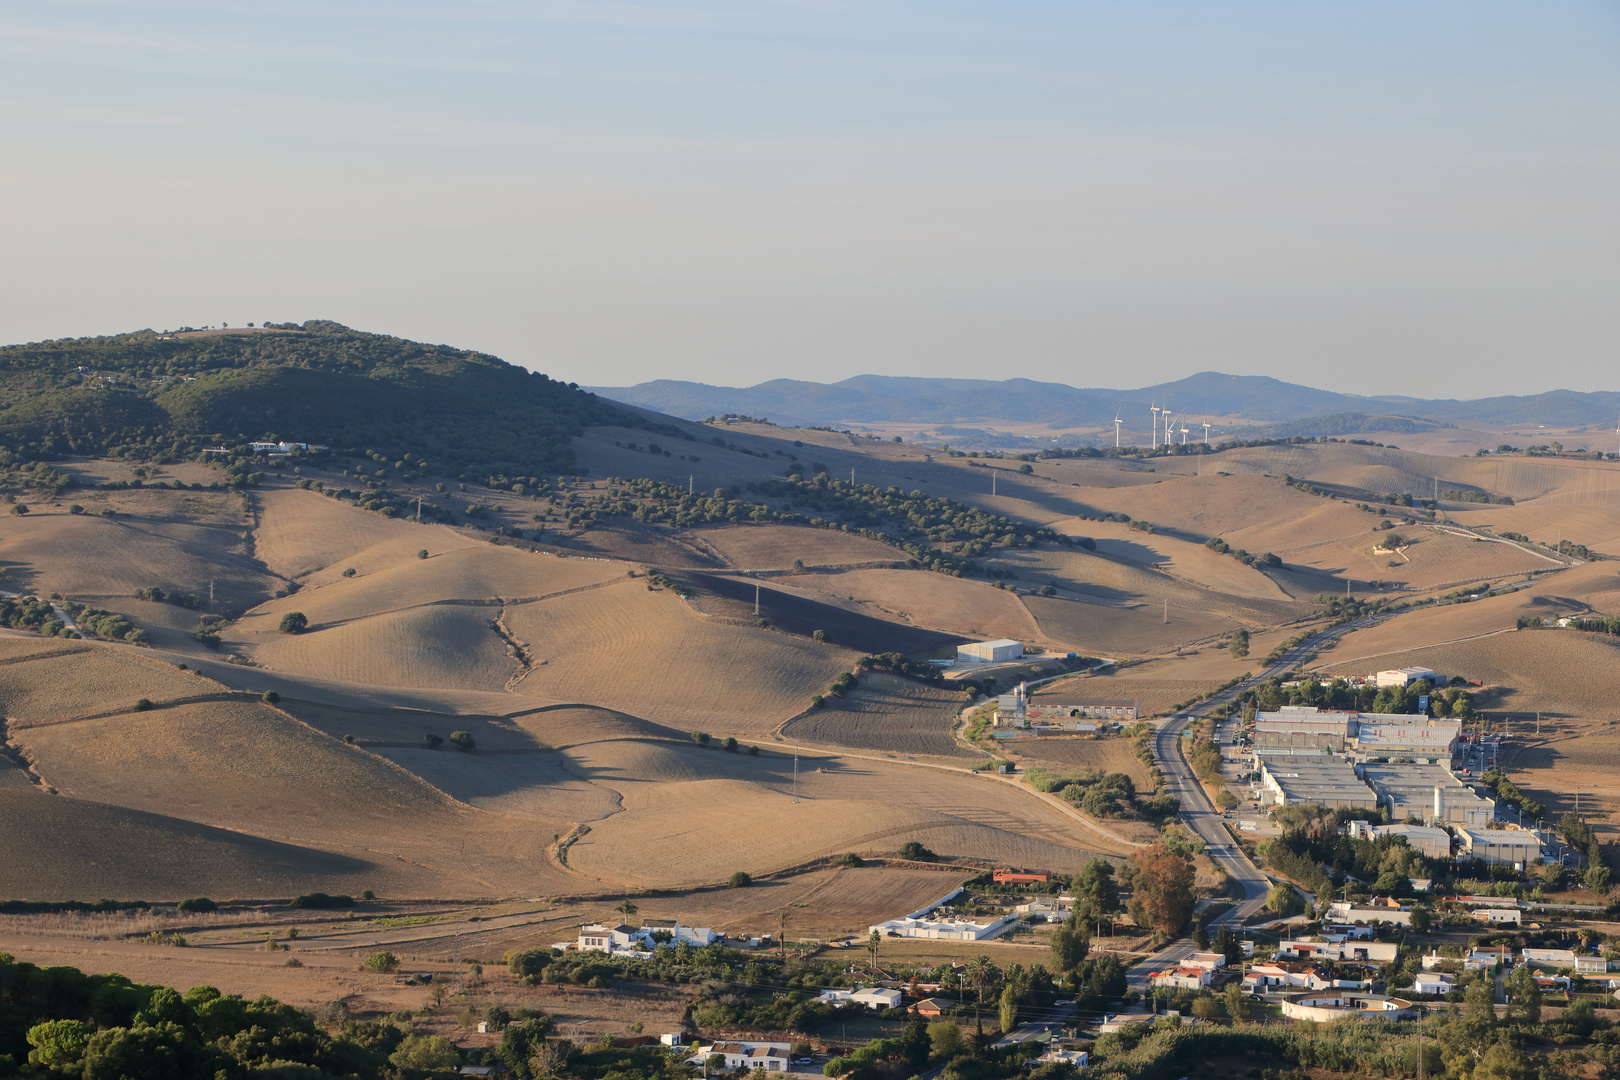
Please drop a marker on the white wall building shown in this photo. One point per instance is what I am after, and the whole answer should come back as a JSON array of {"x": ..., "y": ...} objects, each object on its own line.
[
  {"x": 877, "y": 998},
  {"x": 770, "y": 1056},
  {"x": 944, "y": 929},
  {"x": 990, "y": 652},
  {"x": 1405, "y": 676}
]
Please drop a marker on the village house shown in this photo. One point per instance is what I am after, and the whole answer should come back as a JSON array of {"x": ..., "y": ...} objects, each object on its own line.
[
  {"x": 770, "y": 1056},
  {"x": 1431, "y": 982},
  {"x": 1182, "y": 978}
]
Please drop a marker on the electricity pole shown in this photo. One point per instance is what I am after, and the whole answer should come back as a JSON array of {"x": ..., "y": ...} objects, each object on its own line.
[{"x": 756, "y": 598}]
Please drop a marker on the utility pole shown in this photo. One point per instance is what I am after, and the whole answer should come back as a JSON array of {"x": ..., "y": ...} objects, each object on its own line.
[
  {"x": 690, "y": 482},
  {"x": 756, "y": 598},
  {"x": 419, "y": 509},
  {"x": 992, "y": 480},
  {"x": 852, "y": 476}
]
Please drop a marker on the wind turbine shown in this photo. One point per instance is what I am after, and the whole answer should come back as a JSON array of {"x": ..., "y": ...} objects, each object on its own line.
[
  {"x": 1206, "y": 432},
  {"x": 1116, "y": 430},
  {"x": 1183, "y": 434},
  {"x": 1155, "y": 427}
]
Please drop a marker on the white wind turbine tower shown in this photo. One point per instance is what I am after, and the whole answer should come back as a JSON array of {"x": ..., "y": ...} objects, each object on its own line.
[
  {"x": 1117, "y": 422},
  {"x": 1155, "y": 427},
  {"x": 1183, "y": 434},
  {"x": 1206, "y": 432}
]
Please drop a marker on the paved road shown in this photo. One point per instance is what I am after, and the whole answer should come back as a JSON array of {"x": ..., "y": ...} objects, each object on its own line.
[{"x": 1203, "y": 819}]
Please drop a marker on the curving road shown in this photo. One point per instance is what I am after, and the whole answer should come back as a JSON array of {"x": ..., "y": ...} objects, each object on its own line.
[{"x": 1203, "y": 819}]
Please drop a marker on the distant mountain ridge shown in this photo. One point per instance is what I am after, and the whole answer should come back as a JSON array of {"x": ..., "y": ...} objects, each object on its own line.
[{"x": 877, "y": 398}]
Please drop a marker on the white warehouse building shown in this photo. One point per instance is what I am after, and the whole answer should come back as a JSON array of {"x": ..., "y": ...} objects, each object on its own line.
[{"x": 987, "y": 652}]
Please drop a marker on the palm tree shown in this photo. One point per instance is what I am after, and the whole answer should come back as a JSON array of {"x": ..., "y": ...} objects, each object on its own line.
[
  {"x": 781, "y": 937},
  {"x": 872, "y": 947},
  {"x": 980, "y": 973},
  {"x": 627, "y": 909}
]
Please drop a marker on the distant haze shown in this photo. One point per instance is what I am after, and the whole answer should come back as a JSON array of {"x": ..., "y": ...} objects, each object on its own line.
[{"x": 1374, "y": 198}]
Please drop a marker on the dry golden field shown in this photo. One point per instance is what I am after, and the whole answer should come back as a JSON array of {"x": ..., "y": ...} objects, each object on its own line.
[
  {"x": 1109, "y": 755},
  {"x": 932, "y": 600},
  {"x": 580, "y": 684},
  {"x": 1153, "y": 695},
  {"x": 52, "y": 680},
  {"x": 449, "y": 647},
  {"x": 66, "y": 848},
  {"x": 301, "y": 532},
  {"x": 648, "y": 653},
  {"x": 885, "y": 713},
  {"x": 89, "y": 557},
  {"x": 775, "y": 547}
]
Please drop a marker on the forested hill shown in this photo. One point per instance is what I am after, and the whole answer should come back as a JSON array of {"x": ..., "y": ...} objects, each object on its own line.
[{"x": 143, "y": 393}]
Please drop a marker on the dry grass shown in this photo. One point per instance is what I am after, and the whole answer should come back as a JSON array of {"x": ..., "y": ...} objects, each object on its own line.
[
  {"x": 301, "y": 532},
  {"x": 68, "y": 849},
  {"x": 246, "y": 767},
  {"x": 647, "y": 653},
  {"x": 1109, "y": 755},
  {"x": 439, "y": 646},
  {"x": 932, "y": 600},
  {"x": 885, "y": 713},
  {"x": 70, "y": 678},
  {"x": 774, "y": 547},
  {"x": 90, "y": 557},
  {"x": 1563, "y": 673},
  {"x": 481, "y": 574}
]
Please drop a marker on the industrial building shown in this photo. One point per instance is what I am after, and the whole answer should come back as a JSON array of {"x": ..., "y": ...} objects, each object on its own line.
[
  {"x": 1382, "y": 735},
  {"x": 1406, "y": 676},
  {"x": 1430, "y": 842},
  {"x": 1513, "y": 847},
  {"x": 1020, "y": 709},
  {"x": 1429, "y": 793},
  {"x": 1297, "y": 728},
  {"x": 1365, "y": 735},
  {"x": 990, "y": 652},
  {"x": 1322, "y": 779}
]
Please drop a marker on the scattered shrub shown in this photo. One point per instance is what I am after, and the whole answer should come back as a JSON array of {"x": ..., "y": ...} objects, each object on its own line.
[
  {"x": 294, "y": 622},
  {"x": 382, "y": 961},
  {"x": 463, "y": 740},
  {"x": 197, "y": 905},
  {"x": 270, "y": 697},
  {"x": 739, "y": 880}
]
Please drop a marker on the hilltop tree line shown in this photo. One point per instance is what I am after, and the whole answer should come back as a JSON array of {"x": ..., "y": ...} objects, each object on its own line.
[{"x": 324, "y": 383}]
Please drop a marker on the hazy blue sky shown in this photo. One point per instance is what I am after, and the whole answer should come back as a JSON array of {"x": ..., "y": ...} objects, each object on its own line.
[{"x": 1403, "y": 196}]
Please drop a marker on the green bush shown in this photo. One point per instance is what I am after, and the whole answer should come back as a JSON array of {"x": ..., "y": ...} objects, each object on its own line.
[
  {"x": 321, "y": 900},
  {"x": 914, "y": 851},
  {"x": 197, "y": 905},
  {"x": 739, "y": 880},
  {"x": 463, "y": 740},
  {"x": 142, "y": 704},
  {"x": 382, "y": 961},
  {"x": 270, "y": 697},
  {"x": 294, "y": 622}
]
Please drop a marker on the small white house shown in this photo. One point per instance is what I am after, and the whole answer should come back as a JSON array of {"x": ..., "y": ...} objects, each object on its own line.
[
  {"x": 770, "y": 1056},
  {"x": 599, "y": 937},
  {"x": 1209, "y": 961},
  {"x": 1496, "y": 915},
  {"x": 1431, "y": 982},
  {"x": 876, "y": 998},
  {"x": 1182, "y": 978}
]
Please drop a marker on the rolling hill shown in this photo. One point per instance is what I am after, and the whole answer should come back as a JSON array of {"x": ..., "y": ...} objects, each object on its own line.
[{"x": 146, "y": 393}]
